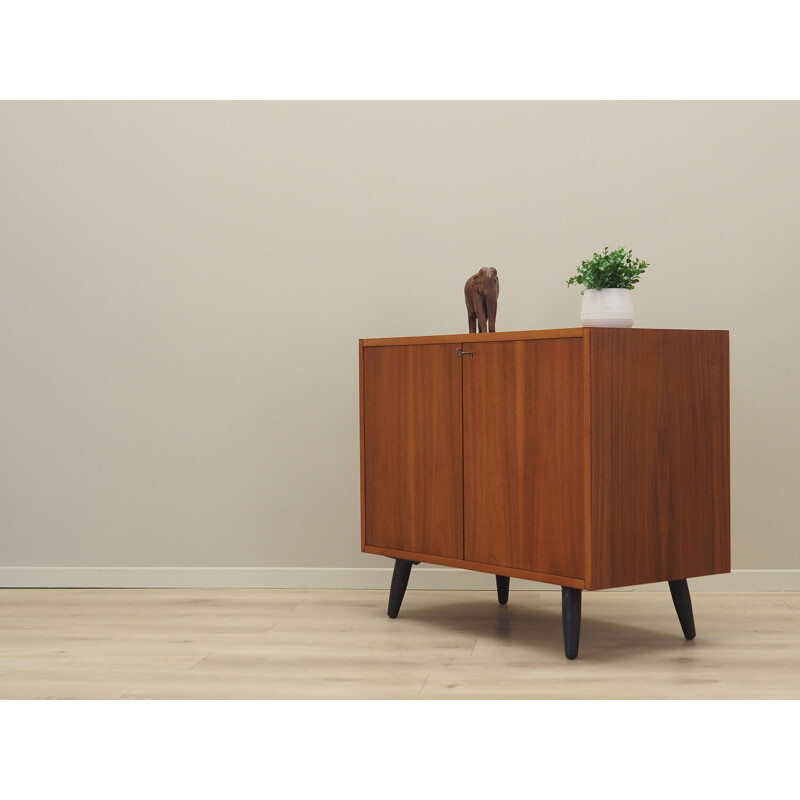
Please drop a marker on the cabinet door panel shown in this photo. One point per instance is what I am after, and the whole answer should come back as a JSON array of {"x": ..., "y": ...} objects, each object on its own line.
[
  {"x": 524, "y": 455},
  {"x": 412, "y": 449}
]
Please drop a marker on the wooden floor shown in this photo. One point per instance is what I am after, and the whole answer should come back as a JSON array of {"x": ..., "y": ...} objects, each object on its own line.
[{"x": 293, "y": 644}]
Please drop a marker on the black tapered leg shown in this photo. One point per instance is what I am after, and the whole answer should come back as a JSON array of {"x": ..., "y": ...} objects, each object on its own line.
[
  {"x": 402, "y": 570},
  {"x": 683, "y": 605},
  {"x": 502, "y": 588},
  {"x": 571, "y": 620}
]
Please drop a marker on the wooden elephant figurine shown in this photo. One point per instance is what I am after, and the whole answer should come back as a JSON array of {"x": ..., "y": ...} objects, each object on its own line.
[{"x": 481, "y": 292}]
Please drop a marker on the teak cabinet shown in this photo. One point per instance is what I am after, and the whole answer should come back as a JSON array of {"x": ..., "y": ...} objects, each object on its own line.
[{"x": 589, "y": 458}]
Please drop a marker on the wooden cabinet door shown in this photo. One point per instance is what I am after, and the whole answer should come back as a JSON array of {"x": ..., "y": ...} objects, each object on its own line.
[
  {"x": 524, "y": 455},
  {"x": 412, "y": 465}
]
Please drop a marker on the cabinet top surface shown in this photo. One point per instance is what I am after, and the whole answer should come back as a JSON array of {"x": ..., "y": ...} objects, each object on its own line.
[{"x": 552, "y": 333}]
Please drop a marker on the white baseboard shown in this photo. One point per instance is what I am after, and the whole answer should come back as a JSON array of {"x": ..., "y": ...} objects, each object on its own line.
[{"x": 422, "y": 577}]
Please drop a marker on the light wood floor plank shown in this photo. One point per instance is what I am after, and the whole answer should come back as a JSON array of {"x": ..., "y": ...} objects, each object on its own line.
[{"x": 329, "y": 644}]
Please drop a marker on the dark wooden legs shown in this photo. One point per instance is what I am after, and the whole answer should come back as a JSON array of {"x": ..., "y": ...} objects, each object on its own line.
[
  {"x": 571, "y": 620},
  {"x": 400, "y": 576},
  {"x": 683, "y": 605},
  {"x": 570, "y": 604},
  {"x": 502, "y": 589},
  {"x": 402, "y": 570},
  {"x": 570, "y": 613}
]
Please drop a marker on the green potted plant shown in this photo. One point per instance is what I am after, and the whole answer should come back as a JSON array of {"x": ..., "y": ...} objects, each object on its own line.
[{"x": 608, "y": 278}]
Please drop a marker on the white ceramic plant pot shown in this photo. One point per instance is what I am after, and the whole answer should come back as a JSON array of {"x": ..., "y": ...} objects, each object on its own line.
[{"x": 607, "y": 308}]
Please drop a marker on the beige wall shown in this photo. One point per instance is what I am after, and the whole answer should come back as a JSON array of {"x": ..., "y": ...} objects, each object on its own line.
[{"x": 183, "y": 285}]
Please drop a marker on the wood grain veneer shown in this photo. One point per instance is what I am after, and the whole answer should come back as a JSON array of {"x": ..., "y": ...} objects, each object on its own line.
[
  {"x": 660, "y": 462},
  {"x": 460, "y": 563},
  {"x": 471, "y": 338},
  {"x": 588, "y": 457},
  {"x": 523, "y": 455},
  {"x": 412, "y": 464}
]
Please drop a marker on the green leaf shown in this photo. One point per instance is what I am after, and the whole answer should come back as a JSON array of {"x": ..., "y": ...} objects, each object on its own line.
[{"x": 610, "y": 270}]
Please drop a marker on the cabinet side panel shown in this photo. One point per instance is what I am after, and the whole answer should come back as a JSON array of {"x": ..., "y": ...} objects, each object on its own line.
[
  {"x": 412, "y": 449},
  {"x": 524, "y": 456},
  {"x": 660, "y": 455}
]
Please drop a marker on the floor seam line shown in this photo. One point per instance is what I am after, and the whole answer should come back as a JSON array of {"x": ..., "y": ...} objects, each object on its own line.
[{"x": 202, "y": 659}]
